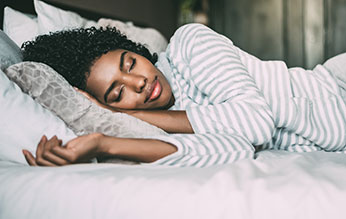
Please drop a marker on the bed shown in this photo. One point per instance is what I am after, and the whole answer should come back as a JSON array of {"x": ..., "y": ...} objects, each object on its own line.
[{"x": 276, "y": 184}]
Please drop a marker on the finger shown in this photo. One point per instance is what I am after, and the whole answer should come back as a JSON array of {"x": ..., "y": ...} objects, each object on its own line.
[
  {"x": 65, "y": 153},
  {"x": 42, "y": 162},
  {"x": 54, "y": 159},
  {"x": 55, "y": 141},
  {"x": 43, "y": 148},
  {"x": 30, "y": 159},
  {"x": 40, "y": 146}
]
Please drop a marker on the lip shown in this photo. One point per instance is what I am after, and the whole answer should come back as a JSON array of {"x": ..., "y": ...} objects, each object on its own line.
[{"x": 154, "y": 91}]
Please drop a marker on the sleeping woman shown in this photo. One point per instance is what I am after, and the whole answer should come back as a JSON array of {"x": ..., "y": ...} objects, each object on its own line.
[{"x": 218, "y": 103}]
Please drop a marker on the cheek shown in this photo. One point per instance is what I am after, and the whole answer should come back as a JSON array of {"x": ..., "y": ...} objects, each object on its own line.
[{"x": 128, "y": 102}]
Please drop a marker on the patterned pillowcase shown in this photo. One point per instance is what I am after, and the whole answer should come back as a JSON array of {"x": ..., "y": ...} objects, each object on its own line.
[{"x": 52, "y": 91}]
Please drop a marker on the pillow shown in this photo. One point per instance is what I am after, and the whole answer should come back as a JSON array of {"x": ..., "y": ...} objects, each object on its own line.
[
  {"x": 18, "y": 26},
  {"x": 52, "y": 91},
  {"x": 23, "y": 122},
  {"x": 149, "y": 37},
  {"x": 51, "y": 19},
  {"x": 9, "y": 52}
]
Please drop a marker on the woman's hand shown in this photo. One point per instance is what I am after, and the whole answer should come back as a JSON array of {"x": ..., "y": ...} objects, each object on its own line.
[
  {"x": 51, "y": 153},
  {"x": 82, "y": 149}
]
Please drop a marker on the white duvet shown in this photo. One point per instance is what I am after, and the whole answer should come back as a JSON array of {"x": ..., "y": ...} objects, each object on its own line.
[{"x": 276, "y": 185}]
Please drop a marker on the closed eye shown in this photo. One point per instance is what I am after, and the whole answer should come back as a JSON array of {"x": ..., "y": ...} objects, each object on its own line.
[
  {"x": 120, "y": 94},
  {"x": 133, "y": 64}
]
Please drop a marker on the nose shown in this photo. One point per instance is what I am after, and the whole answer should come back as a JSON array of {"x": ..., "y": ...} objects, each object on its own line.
[{"x": 135, "y": 82}]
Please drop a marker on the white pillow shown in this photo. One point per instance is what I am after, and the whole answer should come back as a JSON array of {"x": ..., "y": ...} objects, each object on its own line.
[
  {"x": 9, "y": 52},
  {"x": 23, "y": 122},
  {"x": 18, "y": 26},
  {"x": 149, "y": 37},
  {"x": 51, "y": 19}
]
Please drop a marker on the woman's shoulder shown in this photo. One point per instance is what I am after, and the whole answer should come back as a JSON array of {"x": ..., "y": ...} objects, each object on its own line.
[
  {"x": 189, "y": 29},
  {"x": 192, "y": 26}
]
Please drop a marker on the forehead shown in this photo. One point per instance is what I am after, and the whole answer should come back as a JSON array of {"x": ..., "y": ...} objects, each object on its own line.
[{"x": 106, "y": 61}]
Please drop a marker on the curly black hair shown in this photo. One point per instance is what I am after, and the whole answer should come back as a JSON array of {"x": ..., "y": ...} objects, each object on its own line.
[{"x": 72, "y": 52}]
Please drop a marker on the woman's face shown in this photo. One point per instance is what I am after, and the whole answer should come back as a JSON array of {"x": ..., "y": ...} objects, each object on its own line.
[{"x": 125, "y": 80}]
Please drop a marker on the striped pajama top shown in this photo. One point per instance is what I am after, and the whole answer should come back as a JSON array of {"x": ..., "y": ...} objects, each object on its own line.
[{"x": 236, "y": 102}]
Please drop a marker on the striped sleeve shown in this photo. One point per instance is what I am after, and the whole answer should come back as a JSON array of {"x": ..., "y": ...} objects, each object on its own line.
[
  {"x": 233, "y": 115},
  {"x": 202, "y": 150},
  {"x": 234, "y": 103}
]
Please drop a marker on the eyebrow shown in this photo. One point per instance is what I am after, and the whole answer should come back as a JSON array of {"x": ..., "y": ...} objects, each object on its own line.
[
  {"x": 122, "y": 60},
  {"x": 105, "y": 97}
]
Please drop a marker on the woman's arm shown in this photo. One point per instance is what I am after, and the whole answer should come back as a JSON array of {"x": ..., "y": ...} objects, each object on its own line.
[
  {"x": 84, "y": 148},
  {"x": 170, "y": 121},
  {"x": 141, "y": 150},
  {"x": 229, "y": 100}
]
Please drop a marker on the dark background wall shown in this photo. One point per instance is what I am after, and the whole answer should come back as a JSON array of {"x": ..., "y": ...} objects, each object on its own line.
[
  {"x": 301, "y": 32},
  {"x": 160, "y": 14}
]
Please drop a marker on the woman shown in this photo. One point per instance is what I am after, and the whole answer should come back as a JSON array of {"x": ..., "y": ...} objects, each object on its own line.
[{"x": 222, "y": 101}]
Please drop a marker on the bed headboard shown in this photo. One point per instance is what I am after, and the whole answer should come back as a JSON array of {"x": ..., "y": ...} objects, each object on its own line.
[{"x": 160, "y": 14}]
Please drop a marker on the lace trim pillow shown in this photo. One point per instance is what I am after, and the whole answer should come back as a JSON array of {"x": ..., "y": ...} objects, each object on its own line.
[{"x": 81, "y": 115}]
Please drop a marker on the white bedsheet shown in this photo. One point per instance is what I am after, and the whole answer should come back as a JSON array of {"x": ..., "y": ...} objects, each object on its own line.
[{"x": 276, "y": 185}]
